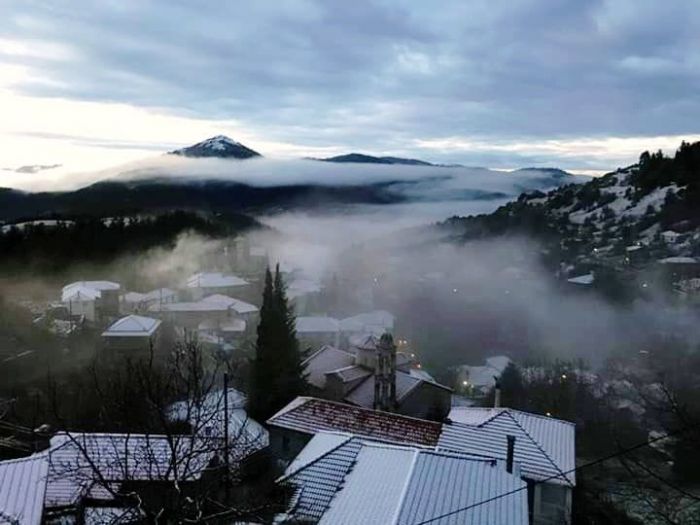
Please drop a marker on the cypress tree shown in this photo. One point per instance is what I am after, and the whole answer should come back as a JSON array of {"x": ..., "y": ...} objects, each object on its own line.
[{"x": 277, "y": 373}]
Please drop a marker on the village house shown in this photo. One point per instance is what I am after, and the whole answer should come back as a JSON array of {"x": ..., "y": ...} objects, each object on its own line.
[
  {"x": 341, "y": 478},
  {"x": 314, "y": 332},
  {"x": 95, "y": 300},
  {"x": 293, "y": 427},
  {"x": 136, "y": 302},
  {"x": 544, "y": 448},
  {"x": 361, "y": 376},
  {"x": 477, "y": 381},
  {"x": 203, "y": 284},
  {"x": 217, "y": 310},
  {"x": 131, "y": 334}
]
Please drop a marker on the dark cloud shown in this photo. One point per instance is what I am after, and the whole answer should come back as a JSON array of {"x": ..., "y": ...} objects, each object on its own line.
[{"x": 377, "y": 75}]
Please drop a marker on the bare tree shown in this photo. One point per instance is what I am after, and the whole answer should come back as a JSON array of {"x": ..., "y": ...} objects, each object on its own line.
[{"x": 172, "y": 445}]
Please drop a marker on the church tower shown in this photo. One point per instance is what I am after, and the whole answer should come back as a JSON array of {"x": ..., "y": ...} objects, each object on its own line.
[{"x": 385, "y": 375}]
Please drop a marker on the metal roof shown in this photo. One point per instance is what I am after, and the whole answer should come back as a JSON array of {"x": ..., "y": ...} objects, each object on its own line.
[
  {"x": 311, "y": 415},
  {"x": 133, "y": 326},
  {"x": 325, "y": 359},
  {"x": 544, "y": 447},
  {"x": 347, "y": 480},
  {"x": 363, "y": 394},
  {"x": 22, "y": 488}
]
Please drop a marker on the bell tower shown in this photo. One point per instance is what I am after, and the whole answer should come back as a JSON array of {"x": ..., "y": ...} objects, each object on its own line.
[{"x": 385, "y": 375}]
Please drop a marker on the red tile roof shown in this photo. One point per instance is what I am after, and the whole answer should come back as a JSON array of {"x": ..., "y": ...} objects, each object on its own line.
[{"x": 310, "y": 415}]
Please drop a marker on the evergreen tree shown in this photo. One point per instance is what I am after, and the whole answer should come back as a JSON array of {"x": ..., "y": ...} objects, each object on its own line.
[{"x": 277, "y": 373}]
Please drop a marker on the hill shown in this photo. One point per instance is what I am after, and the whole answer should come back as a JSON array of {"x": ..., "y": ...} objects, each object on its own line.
[
  {"x": 628, "y": 218},
  {"x": 361, "y": 158}
]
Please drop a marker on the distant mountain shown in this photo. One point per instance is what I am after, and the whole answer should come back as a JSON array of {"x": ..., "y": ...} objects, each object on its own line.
[
  {"x": 554, "y": 173},
  {"x": 218, "y": 146},
  {"x": 361, "y": 158}
]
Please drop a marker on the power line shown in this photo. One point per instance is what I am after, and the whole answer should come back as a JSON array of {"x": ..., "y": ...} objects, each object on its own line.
[{"x": 576, "y": 469}]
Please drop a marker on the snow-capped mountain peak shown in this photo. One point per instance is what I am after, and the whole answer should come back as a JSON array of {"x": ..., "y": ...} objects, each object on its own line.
[{"x": 217, "y": 146}]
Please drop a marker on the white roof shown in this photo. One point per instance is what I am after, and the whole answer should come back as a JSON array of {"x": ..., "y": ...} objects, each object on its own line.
[
  {"x": 133, "y": 297},
  {"x": 80, "y": 293},
  {"x": 207, "y": 418},
  {"x": 214, "y": 280},
  {"x": 193, "y": 306},
  {"x": 544, "y": 446},
  {"x": 317, "y": 324},
  {"x": 237, "y": 305},
  {"x": 345, "y": 480},
  {"x": 160, "y": 293},
  {"x": 22, "y": 489},
  {"x": 498, "y": 362},
  {"x": 326, "y": 359},
  {"x": 582, "y": 279},
  {"x": 77, "y": 462},
  {"x": 133, "y": 326},
  {"x": 678, "y": 260},
  {"x": 375, "y": 322},
  {"x": 302, "y": 286}
]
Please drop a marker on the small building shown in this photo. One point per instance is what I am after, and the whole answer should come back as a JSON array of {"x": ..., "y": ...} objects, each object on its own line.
[
  {"x": 293, "y": 427},
  {"x": 217, "y": 309},
  {"x": 544, "y": 448},
  {"x": 376, "y": 376},
  {"x": 477, "y": 381},
  {"x": 346, "y": 479},
  {"x": 203, "y": 284},
  {"x": 95, "y": 300},
  {"x": 133, "y": 333},
  {"x": 314, "y": 332}
]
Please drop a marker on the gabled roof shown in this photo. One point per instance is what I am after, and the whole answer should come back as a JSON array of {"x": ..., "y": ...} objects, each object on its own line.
[
  {"x": 80, "y": 293},
  {"x": 69, "y": 291},
  {"x": 544, "y": 446},
  {"x": 22, "y": 488},
  {"x": 133, "y": 326},
  {"x": 375, "y": 322},
  {"x": 160, "y": 293},
  {"x": 363, "y": 394},
  {"x": 238, "y": 306},
  {"x": 347, "y": 480},
  {"x": 214, "y": 280},
  {"x": 325, "y": 359},
  {"x": 310, "y": 415},
  {"x": 350, "y": 373},
  {"x": 317, "y": 324},
  {"x": 83, "y": 465}
]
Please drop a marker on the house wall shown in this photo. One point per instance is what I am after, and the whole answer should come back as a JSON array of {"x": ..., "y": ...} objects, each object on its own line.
[
  {"x": 551, "y": 504},
  {"x": 128, "y": 346},
  {"x": 86, "y": 308},
  {"x": 286, "y": 444},
  {"x": 426, "y": 401}
]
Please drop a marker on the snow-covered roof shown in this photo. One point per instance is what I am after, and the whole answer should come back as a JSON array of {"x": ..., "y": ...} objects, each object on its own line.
[
  {"x": 302, "y": 286},
  {"x": 363, "y": 394},
  {"x": 325, "y": 359},
  {"x": 310, "y": 415},
  {"x": 133, "y": 326},
  {"x": 78, "y": 462},
  {"x": 80, "y": 293},
  {"x": 498, "y": 362},
  {"x": 160, "y": 293},
  {"x": 484, "y": 376},
  {"x": 678, "y": 260},
  {"x": 356, "y": 481},
  {"x": 69, "y": 290},
  {"x": 214, "y": 280},
  {"x": 240, "y": 307},
  {"x": 375, "y": 322},
  {"x": 22, "y": 489},
  {"x": 350, "y": 373},
  {"x": 133, "y": 297},
  {"x": 190, "y": 306},
  {"x": 207, "y": 418},
  {"x": 586, "y": 279},
  {"x": 544, "y": 446},
  {"x": 317, "y": 324}
]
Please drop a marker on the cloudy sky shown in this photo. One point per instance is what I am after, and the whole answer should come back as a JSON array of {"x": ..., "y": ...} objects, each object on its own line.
[{"x": 579, "y": 84}]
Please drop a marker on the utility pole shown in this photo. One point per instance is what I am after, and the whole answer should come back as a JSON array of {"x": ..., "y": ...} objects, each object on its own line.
[{"x": 227, "y": 485}]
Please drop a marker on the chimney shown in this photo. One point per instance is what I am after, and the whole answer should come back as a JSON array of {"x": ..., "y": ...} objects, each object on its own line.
[
  {"x": 497, "y": 394},
  {"x": 510, "y": 454},
  {"x": 385, "y": 374}
]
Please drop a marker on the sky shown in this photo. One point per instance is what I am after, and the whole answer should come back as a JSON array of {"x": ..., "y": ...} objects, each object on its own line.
[{"x": 584, "y": 85}]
